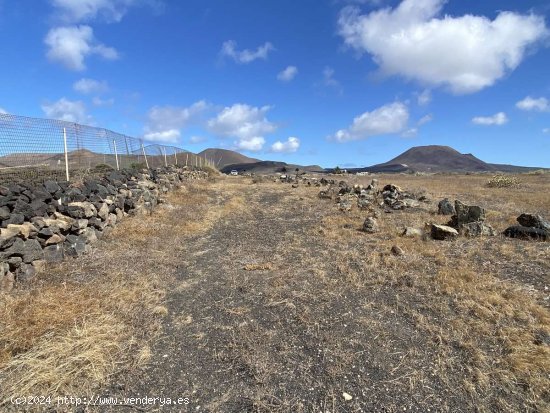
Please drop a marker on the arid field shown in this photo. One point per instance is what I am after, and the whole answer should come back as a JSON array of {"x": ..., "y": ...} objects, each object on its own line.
[{"x": 247, "y": 295}]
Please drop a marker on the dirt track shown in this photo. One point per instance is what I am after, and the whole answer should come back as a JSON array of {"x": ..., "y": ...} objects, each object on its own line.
[{"x": 275, "y": 307}]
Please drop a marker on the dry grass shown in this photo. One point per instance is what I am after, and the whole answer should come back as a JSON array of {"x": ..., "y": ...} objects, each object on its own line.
[
  {"x": 285, "y": 304},
  {"x": 258, "y": 266},
  {"x": 84, "y": 320},
  {"x": 483, "y": 314},
  {"x": 66, "y": 362}
]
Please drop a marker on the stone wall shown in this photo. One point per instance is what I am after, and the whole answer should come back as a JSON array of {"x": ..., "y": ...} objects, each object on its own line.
[{"x": 48, "y": 222}]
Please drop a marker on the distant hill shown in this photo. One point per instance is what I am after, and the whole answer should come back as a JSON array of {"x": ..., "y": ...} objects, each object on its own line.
[
  {"x": 50, "y": 159},
  {"x": 268, "y": 167},
  {"x": 224, "y": 157},
  {"x": 435, "y": 158},
  {"x": 438, "y": 158}
]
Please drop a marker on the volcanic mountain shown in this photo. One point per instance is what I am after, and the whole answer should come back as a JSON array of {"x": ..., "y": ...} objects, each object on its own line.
[
  {"x": 438, "y": 158},
  {"x": 224, "y": 157}
]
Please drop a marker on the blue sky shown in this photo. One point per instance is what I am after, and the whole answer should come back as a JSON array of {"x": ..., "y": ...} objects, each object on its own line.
[{"x": 347, "y": 82}]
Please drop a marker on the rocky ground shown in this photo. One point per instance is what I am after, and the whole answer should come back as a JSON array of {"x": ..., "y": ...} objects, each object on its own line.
[{"x": 282, "y": 299}]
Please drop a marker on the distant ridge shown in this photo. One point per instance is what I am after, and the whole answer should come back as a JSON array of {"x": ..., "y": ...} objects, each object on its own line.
[
  {"x": 267, "y": 167},
  {"x": 436, "y": 158},
  {"x": 439, "y": 158},
  {"x": 224, "y": 157}
]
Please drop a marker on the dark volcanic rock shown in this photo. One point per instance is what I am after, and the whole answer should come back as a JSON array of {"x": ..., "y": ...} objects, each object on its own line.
[
  {"x": 54, "y": 219},
  {"x": 469, "y": 220},
  {"x": 39, "y": 208},
  {"x": 40, "y": 194},
  {"x": 75, "y": 245},
  {"x": 102, "y": 191},
  {"x": 445, "y": 207},
  {"x": 54, "y": 253},
  {"x": 4, "y": 200},
  {"x": 4, "y": 213},
  {"x": 370, "y": 225},
  {"x": 29, "y": 250},
  {"x": 518, "y": 231},
  {"x": 23, "y": 208},
  {"x": 14, "y": 218},
  {"x": 466, "y": 214},
  {"x": 476, "y": 229},
  {"x": 534, "y": 221},
  {"x": 51, "y": 186},
  {"x": 46, "y": 232}
]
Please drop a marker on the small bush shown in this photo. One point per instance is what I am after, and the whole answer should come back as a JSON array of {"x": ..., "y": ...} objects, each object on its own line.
[
  {"x": 210, "y": 171},
  {"x": 102, "y": 168},
  {"x": 538, "y": 172},
  {"x": 138, "y": 165},
  {"x": 503, "y": 181}
]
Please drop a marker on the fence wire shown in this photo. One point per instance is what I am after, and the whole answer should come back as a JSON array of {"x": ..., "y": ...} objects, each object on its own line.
[{"x": 40, "y": 149}]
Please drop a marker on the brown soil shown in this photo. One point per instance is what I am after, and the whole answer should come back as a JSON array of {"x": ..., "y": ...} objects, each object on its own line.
[{"x": 276, "y": 302}]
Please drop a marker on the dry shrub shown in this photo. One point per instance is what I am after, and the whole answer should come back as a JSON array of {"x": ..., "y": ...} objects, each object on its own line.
[
  {"x": 539, "y": 172},
  {"x": 258, "y": 266},
  {"x": 211, "y": 171},
  {"x": 503, "y": 181}
]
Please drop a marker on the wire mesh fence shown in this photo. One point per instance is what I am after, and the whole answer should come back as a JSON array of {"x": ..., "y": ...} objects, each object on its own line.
[{"x": 39, "y": 149}]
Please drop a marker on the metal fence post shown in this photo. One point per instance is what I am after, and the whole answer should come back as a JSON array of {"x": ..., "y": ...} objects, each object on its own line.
[
  {"x": 165, "y": 160},
  {"x": 66, "y": 153},
  {"x": 145, "y": 156},
  {"x": 176, "y": 156},
  {"x": 127, "y": 149},
  {"x": 116, "y": 155},
  {"x": 186, "y": 158}
]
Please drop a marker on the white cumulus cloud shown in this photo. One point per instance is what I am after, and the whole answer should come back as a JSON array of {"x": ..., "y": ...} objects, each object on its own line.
[
  {"x": 71, "y": 45},
  {"x": 497, "y": 119},
  {"x": 328, "y": 77},
  {"x": 253, "y": 144},
  {"x": 3, "y": 111},
  {"x": 424, "y": 98},
  {"x": 164, "y": 123},
  {"x": 229, "y": 49},
  {"x": 288, "y": 74},
  {"x": 108, "y": 10},
  {"x": 465, "y": 53},
  {"x": 291, "y": 145},
  {"x": 388, "y": 119},
  {"x": 248, "y": 124},
  {"x": 425, "y": 119},
  {"x": 536, "y": 104},
  {"x": 67, "y": 110},
  {"x": 169, "y": 135},
  {"x": 87, "y": 86}
]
